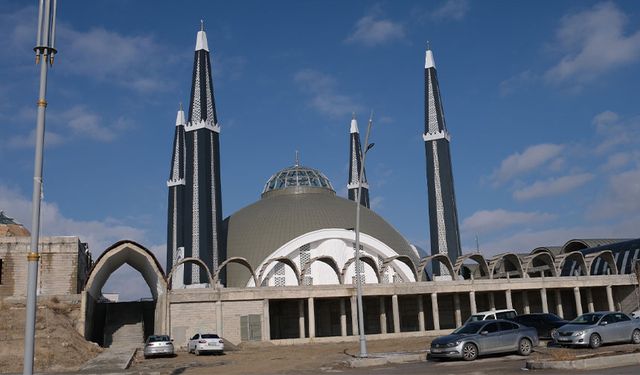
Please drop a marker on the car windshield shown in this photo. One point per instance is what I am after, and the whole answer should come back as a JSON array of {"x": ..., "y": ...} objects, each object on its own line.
[
  {"x": 552, "y": 317},
  {"x": 590, "y": 318},
  {"x": 159, "y": 338},
  {"x": 475, "y": 318},
  {"x": 210, "y": 336},
  {"x": 469, "y": 328}
]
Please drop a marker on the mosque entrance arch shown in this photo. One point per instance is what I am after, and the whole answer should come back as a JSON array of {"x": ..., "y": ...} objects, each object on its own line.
[{"x": 106, "y": 322}]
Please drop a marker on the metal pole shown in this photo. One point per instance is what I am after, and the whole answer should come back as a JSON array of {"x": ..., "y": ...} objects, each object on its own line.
[
  {"x": 43, "y": 49},
  {"x": 363, "y": 338}
]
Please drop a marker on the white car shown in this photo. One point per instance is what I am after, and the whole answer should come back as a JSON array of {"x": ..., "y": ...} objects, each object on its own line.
[
  {"x": 635, "y": 314},
  {"x": 492, "y": 314},
  {"x": 205, "y": 343}
]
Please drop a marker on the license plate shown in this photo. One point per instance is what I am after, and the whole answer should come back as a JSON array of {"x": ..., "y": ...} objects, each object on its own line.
[
  {"x": 212, "y": 344},
  {"x": 436, "y": 350}
]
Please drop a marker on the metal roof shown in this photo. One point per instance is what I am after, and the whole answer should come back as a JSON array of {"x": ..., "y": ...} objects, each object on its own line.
[
  {"x": 261, "y": 228},
  {"x": 581, "y": 243}
]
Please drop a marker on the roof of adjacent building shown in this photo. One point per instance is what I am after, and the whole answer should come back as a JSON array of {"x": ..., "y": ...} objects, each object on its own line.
[
  {"x": 11, "y": 228},
  {"x": 261, "y": 228}
]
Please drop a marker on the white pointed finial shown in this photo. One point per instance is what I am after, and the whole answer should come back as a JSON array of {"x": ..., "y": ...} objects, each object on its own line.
[
  {"x": 201, "y": 39},
  {"x": 354, "y": 124},
  {"x": 297, "y": 158},
  {"x": 180, "y": 117},
  {"x": 429, "y": 62}
]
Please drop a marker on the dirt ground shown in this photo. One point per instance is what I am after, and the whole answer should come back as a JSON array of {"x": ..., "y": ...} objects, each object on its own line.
[
  {"x": 264, "y": 358},
  {"x": 59, "y": 347}
]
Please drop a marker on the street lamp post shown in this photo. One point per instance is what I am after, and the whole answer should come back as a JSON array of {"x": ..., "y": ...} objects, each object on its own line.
[
  {"x": 363, "y": 338},
  {"x": 45, "y": 52}
]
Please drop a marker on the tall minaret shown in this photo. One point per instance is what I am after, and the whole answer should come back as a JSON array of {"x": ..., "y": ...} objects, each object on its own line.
[
  {"x": 202, "y": 203},
  {"x": 176, "y": 184},
  {"x": 355, "y": 162},
  {"x": 443, "y": 215}
]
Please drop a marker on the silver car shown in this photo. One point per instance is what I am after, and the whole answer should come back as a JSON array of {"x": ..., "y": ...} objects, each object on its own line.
[
  {"x": 485, "y": 337},
  {"x": 157, "y": 345},
  {"x": 594, "y": 329}
]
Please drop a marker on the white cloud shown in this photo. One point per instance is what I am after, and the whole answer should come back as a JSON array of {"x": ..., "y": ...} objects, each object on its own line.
[
  {"x": 51, "y": 139},
  {"x": 485, "y": 221},
  {"x": 451, "y": 10},
  {"x": 377, "y": 203},
  {"x": 99, "y": 234},
  {"x": 553, "y": 186},
  {"x": 593, "y": 42},
  {"x": 371, "y": 30},
  {"x": 530, "y": 159},
  {"x": 622, "y": 196},
  {"x": 508, "y": 86},
  {"x": 324, "y": 98}
]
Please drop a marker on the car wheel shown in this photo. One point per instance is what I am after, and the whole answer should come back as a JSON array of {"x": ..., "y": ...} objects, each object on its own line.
[
  {"x": 635, "y": 336},
  {"x": 525, "y": 347},
  {"x": 595, "y": 341},
  {"x": 469, "y": 352}
]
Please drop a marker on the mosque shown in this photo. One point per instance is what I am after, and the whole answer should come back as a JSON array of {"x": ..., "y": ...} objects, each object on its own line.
[{"x": 293, "y": 279}]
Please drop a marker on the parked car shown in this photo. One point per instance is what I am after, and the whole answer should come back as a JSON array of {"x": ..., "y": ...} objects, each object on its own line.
[
  {"x": 492, "y": 314},
  {"x": 157, "y": 345},
  {"x": 546, "y": 324},
  {"x": 594, "y": 329},
  {"x": 635, "y": 314},
  {"x": 205, "y": 342},
  {"x": 485, "y": 337}
]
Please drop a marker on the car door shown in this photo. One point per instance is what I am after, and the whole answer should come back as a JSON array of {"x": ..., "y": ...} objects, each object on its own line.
[
  {"x": 508, "y": 337},
  {"x": 489, "y": 339},
  {"x": 623, "y": 327},
  {"x": 607, "y": 328},
  {"x": 193, "y": 341}
]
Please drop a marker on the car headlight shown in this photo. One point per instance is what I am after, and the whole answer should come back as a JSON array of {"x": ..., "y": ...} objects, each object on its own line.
[
  {"x": 453, "y": 344},
  {"x": 579, "y": 333}
]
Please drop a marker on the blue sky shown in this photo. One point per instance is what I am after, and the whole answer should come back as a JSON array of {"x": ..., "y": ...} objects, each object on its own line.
[{"x": 541, "y": 101}]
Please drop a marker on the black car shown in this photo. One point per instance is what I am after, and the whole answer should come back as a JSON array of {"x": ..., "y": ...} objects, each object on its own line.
[{"x": 545, "y": 324}]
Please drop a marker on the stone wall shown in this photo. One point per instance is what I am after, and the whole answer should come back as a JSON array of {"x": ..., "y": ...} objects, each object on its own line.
[{"x": 62, "y": 270}]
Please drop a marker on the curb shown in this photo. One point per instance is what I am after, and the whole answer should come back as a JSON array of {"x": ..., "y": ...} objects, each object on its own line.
[
  {"x": 384, "y": 359},
  {"x": 588, "y": 363},
  {"x": 130, "y": 359}
]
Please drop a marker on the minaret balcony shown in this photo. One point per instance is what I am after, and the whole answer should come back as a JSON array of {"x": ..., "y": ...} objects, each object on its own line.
[
  {"x": 203, "y": 124},
  {"x": 355, "y": 185},
  {"x": 175, "y": 182},
  {"x": 435, "y": 136}
]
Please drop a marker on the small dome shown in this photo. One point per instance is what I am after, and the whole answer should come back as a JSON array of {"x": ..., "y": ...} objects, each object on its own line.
[
  {"x": 297, "y": 176},
  {"x": 10, "y": 228}
]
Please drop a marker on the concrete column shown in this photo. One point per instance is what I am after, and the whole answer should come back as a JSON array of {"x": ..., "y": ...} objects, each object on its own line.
[
  {"x": 301, "y": 317},
  {"x": 354, "y": 316},
  {"x": 383, "y": 316},
  {"x": 219, "y": 319},
  {"x": 434, "y": 311},
  {"x": 420, "y": 313},
  {"x": 343, "y": 318},
  {"x": 590, "y": 300},
  {"x": 472, "y": 302},
  {"x": 543, "y": 298},
  {"x": 266, "y": 322},
  {"x": 576, "y": 295},
  {"x": 492, "y": 301},
  {"x": 312, "y": 317},
  {"x": 559, "y": 309},
  {"x": 525, "y": 302},
  {"x": 612, "y": 306},
  {"x": 507, "y": 296},
  {"x": 456, "y": 307},
  {"x": 396, "y": 313}
]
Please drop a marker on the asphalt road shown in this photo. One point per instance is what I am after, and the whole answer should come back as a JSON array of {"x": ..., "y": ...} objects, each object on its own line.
[{"x": 500, "y": 365}]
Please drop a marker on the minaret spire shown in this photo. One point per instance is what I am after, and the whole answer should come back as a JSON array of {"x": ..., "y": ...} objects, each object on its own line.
[
  {"x": 176, "y": 185},
  {"x": 443, "y": 215},
  {"x": 198, "y": 209},
  {"x": 355, "y": 161}
]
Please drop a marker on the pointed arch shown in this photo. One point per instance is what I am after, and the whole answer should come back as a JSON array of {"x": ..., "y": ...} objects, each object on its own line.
[
  {"x": 192, "y": 260},
  {"x": 283, "y": 260},
  {"x": 363, "y": 258},
  {"x": 504, "y": 260},
  {"x": 324, "y": 259},
  {"x": 401, "y": 258},
  {"x": 575, "y": 256},
  {"x": 605, "y": 255},
  {"x": 442, "y": 258},
  {"x": 478, "y": 258},
  {"x": 237, "y": 260},
  {"x": 544, "y": 257}
]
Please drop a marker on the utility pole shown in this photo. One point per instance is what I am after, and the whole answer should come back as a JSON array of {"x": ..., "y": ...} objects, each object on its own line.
[{"x": 45, "y": 52}]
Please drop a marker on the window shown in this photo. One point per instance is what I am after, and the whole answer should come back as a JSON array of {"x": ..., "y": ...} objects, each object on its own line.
[
  {"x": 196, "y": 336},
  {"x": 608, "y": 319},
  {"x": 621, "y": 317},
  {"x": 506, "y": 315},
  {"x": 491, "y": 327},
  {"x": 506, "y": 326},
  {"x": 490, "y": 317}
]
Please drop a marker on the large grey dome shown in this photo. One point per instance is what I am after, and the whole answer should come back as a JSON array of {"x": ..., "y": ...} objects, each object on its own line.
[{"x": 261, "y": 228}]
